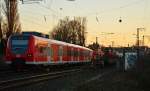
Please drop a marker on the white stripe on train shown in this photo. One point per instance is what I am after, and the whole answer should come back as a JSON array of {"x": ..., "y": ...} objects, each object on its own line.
[{"x": 53, "y": 63}]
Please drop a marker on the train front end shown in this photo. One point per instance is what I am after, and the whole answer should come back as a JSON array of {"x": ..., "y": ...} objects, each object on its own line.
[{"x": 19, "y": 50}]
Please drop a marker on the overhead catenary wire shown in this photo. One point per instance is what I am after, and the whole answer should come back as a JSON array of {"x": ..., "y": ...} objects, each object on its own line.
[
  {"x": 34, "y": 23},
  {"x": 117, "y": 8},
  {"x": 50, "y": 9},
  {"x": 120, "y": 20},
  {"x": 44, "y": 11},
  {"x": 53, "y": 12},
  {"x": 44, "y": 16}
]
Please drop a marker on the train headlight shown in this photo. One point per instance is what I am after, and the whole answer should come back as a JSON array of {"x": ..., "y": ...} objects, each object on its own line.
[{"x": 29, "y": 55}]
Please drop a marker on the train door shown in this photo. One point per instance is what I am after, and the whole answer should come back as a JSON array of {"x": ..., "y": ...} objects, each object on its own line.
[
  {"x": 78, "y": 54},
  {"x": 60, "y": 53},
  {"x": 64, "y": 57},
  {"x": 54, "y": 56},
  {"x": 72, "y": 54},
  {"x": 85, "y": 56},
  {"x": 68, "y": 53},
  {"x": 49, "y": 53},
  {"x": 75, "y": 54}
]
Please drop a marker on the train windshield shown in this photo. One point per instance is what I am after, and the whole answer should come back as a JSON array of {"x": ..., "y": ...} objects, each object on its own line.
[{"x": 19, "y": 44}]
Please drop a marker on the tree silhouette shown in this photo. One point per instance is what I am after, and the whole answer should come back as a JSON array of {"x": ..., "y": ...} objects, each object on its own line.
[
  {"x": 9, "y": 22},
  {"x": 10, "y": 8},
  {"x": 94, "y": 46},
  {"x": 1, "y": 33},
  {"x": 71, "y": 31}
]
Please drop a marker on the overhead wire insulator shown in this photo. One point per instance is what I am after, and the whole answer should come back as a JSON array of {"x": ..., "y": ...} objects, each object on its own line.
[
  {"x": 97, "y": 19},
  {"x": 120, "y": 20}
]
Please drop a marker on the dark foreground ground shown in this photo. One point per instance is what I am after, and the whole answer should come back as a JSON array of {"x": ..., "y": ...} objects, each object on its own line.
[
  {"x": 133, "y": 80},
  {"x": 107, "y": 79}
]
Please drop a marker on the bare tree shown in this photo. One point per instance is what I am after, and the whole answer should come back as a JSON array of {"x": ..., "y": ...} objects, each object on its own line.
[
  {"x": 81, "y": 30},
  {"x": 0, "y": 20},
  {"x": 71, "y": 31},
  {"x": 1, "y": 28},
  {"x": 12, "y": 17},
  {"x": 94, "y": 46},
  {"x": 11, "y": 25}
]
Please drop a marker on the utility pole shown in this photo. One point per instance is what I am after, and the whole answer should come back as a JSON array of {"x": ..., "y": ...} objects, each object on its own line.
[
  {"x": 139, "y": 62},
  {"x": 112, "y": 43},
  {"x": 96, "y": 40},
  {"x": 138, "y": 54},
  {"x": 97, "y": 44},
  {"x": 138, "y": 37}
]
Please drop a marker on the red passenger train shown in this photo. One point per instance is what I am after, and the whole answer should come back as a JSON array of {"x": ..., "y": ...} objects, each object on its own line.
[{"x": 34, "y": 50}]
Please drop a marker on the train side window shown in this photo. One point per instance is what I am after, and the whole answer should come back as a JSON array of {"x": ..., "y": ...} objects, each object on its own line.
[
  {"x": 60, "y": 51},
  {"x": 72, "y": 52},
  {"x": 44, "y": 51},
  {"x": 51, "y": 51},
  {"x": 78, "y": 52},
  {"x": 40, "y": 49},
  {"x": 86, "y": 53},
  {"x": 68, "y": 52},
  {"x": 64, "y": 52},
  {"x": 48, "y": 51},
  {"x": 75, "y": 53},
  {"x": 81, "y": 53}
]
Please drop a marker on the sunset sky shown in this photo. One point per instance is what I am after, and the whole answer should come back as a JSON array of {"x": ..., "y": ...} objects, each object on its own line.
[{"x": 102, "y": 18}]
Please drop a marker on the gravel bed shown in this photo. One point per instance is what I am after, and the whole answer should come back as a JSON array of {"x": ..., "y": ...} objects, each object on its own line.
[{"x": 66, "y": 83}]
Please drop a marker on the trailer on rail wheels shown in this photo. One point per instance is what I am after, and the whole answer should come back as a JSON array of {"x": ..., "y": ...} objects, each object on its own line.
[
  {"x": 32, "y": 48},
  {"x": 104, "y": 57},
  {"x": 97, "y": 58}
]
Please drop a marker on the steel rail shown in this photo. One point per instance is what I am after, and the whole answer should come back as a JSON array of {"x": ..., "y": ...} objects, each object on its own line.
[
  {"x": 5, "y": 72},
  {"x": 33, "y": 79}
]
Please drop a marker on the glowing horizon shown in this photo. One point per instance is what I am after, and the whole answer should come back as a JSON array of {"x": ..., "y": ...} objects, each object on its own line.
[{"x": 102, "y": 16}]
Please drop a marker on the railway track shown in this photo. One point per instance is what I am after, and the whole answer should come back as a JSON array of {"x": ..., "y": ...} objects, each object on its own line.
[
  {"x": 34, "y": 79},
  {"x": 6, "y": 71},
  {"x": 10, "y": 74}
]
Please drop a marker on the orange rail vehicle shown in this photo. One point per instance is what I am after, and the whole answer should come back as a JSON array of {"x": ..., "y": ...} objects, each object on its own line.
[{"x": 28, "y": 49}]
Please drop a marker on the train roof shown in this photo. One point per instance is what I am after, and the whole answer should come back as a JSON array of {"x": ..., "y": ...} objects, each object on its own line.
[{"x": 61, "y": 42}]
